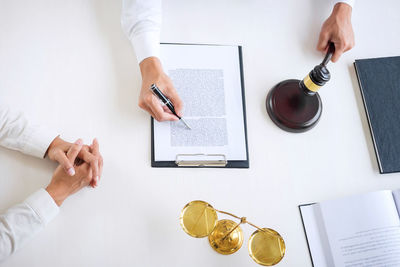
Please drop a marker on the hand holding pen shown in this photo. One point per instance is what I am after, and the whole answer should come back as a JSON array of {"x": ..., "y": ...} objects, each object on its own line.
[
  {"x": 152, "y": 72},
  {"x": 165, "y": 100}
]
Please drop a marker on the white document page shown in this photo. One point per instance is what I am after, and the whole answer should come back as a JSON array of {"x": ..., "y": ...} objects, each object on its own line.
[
  {"x": 396, "y": 197},
  {"x": 208, "y": 80},
  {"x": 316, "y": 237},
  {"x": 363, "y": 230}
]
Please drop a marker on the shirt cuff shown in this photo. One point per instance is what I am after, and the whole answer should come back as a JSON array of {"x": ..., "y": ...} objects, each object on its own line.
[
  {"x": 146, "y": 45},
  {"x": 349, "y": 2},
  {"x": 43, "y": 205},
  {"x": 38, "y": 141}
]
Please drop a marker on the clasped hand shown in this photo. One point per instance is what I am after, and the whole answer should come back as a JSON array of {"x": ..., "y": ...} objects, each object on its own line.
[
  {"x": 90, "y": 154},
  {"x": 80, "y": 165}
]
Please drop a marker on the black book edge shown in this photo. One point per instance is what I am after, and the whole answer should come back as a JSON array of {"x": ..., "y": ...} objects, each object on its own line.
[
  {"x": 247, "y": 161},
  {"x": 381, "y": 171},
  {"x": 305, "y": 232},
  {"x": 240, "y": 164}
]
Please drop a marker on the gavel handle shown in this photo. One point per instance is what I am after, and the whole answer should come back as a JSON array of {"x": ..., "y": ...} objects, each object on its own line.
[{"x": 329, "y": 54}]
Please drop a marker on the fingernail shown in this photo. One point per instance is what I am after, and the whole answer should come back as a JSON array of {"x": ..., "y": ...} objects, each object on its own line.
[
  {"x": 71, "y": 171},
  {"x": 79, "y": 142},
  {"x": 97, "y": 179}
]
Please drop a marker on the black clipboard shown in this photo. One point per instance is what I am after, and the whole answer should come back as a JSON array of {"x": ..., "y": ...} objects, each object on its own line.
[{"x": 219, "y": 160}]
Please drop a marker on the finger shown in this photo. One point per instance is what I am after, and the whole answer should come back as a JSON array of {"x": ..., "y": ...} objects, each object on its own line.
[
  {"x": 339, "y": 49},
  {"x": 101, "y": 165},
  {"x": 94, "y": 164},
  {"x": 349, "y": 46},
  {"x": 74, "y": 150},
  {"x": 176, "y": 100},
  {"x": 323, "y": 41},
  {"x": 79, "y": 161},
  {"x": 96, "y": 152},
  {"x": 100, "y": 160},
  {"x": 151, "y": 112},
  {"x": 85, "y": 173},
  {"x": 61, "y": 158},
  {"x": 159, "y": 113},
  {"x": 95, "y": 147},
  {"x": 163, "y": 115},
  {"x": 166, "y": 109},
  {"x": 148, "y": 109},
  {"x": 145, "y": 105}
]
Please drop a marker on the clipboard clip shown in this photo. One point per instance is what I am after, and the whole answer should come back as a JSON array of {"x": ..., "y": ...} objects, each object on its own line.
[{"x": 201, "y": 160}]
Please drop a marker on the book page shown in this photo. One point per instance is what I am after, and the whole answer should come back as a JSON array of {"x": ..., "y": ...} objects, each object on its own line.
[
  {"x": 363, "y": 230},
  {"x": 208, "y": 80},
  {"x": 316, "y": 236},
  {"x": 396, "y": 197}
]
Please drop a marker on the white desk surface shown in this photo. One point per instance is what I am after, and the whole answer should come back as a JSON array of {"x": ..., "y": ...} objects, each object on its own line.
[{"x": 68, "y": 65}]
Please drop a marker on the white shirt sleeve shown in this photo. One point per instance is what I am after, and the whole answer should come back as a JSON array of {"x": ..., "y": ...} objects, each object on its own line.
[
  {"x": 17, "y": 134},
  {"x": 21, "y": 222},
  {"x": 141, "y": 22},
  {"x": 349, "y": 2}
]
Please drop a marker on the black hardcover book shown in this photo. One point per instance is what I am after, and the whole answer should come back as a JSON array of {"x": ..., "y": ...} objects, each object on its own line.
[{"x": 379, "y": 80}]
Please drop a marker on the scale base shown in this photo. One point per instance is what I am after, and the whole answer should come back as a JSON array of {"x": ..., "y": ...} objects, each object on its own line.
[
  {"x": 291, "y": 108},
  {"x": 223, "y": 243}
]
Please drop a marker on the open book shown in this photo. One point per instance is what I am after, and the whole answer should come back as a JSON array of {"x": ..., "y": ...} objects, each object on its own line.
[{"x": 362, "y": 230}]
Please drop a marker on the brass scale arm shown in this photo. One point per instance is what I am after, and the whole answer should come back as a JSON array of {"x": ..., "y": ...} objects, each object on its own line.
[{"x": 242, "y": 220}]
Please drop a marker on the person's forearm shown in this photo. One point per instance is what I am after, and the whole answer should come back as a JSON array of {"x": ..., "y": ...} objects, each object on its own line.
[
  {"x": 141, "y": 21},
  {"x": 60, "y": 192},
  {"x": 150, "y": 64},
  {"x": 337, "y": 29},
  {"x": 21, "y": 222},
  {"x": 17, "y": 133},
  {"x": 348, "y": 2}
]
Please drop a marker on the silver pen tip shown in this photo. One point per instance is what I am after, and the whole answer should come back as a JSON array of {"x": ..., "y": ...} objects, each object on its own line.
[{"x": 187, "y": 125}]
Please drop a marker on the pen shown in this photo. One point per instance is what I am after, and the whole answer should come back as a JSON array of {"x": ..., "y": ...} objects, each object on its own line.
[{"x": 157, "y": 92}]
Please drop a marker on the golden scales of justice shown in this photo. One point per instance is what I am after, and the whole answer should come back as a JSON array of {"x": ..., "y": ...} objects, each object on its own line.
[{"x": 199, "y": 219}]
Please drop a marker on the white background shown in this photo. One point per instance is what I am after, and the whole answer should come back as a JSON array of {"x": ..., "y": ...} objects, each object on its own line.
[{"x": 68, "y": 65}]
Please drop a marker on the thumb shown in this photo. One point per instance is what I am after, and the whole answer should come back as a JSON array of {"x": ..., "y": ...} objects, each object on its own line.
[
  {"x": 323, "y": 41},
  {"x": 61, "y": 158},
  {"x": 74, "y": 150},
  {"x": 339, "y": 49},
  {"x": 176, "y": 100}
]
